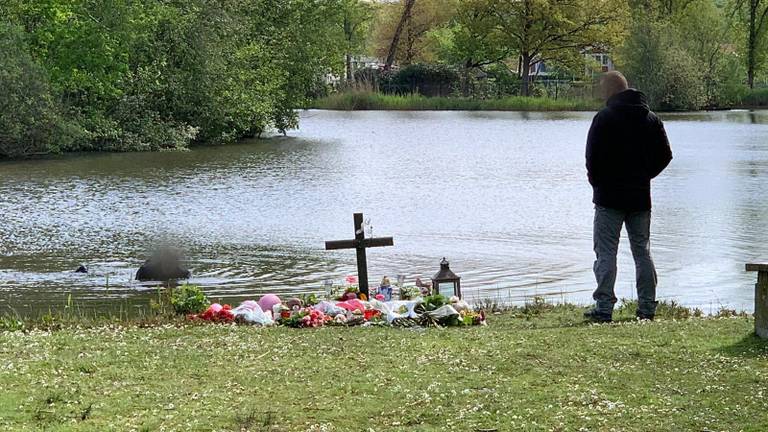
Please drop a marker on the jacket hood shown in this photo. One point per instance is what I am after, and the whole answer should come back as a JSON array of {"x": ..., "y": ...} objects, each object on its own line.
[{"x": 629, "y": 98}]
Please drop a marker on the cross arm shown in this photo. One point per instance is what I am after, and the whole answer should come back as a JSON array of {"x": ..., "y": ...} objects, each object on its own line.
[
  {"x": 379, "y": 242},
  {"x": 353, "y": 244},
  {"x": 340, "y": 244},
  {"x": 757, "y": 267}
]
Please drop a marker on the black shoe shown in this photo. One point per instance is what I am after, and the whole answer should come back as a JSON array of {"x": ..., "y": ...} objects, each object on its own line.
[
  {"x": 598, "y": 317},
  {"x": 644, "y": 317}
]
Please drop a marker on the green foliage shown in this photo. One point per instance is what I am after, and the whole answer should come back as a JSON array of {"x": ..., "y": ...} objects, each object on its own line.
[
  {"x": 424, "y": 79},
  {"x": 188, "y": 299},
  {"x": 31, "y": 120},
  {"x": 756, "y": 98},
  {"x": 309, "y": 299},
  {"x": 685, "y": 54},
  {"x": 473, "y": 40},
  {"x": 669, "y": 309},
  {"x": 417, "y": 43},
  {"x": 11, "y": 324},
  {"x": 666, "y": 72},
  {"x": 123, "y": 75},
  {"x": 434, "y": 302}
]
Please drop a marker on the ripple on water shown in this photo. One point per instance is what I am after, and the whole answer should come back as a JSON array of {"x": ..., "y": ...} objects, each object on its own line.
[{"x": 502, "y": 195}]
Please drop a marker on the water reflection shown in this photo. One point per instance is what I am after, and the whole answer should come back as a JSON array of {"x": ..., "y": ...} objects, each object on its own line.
[{"x": 503, "y": 195}]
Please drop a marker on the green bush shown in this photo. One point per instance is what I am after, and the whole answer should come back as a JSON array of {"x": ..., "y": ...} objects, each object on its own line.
[
  {"x": 681, "y": 84},
  {"x": 755, "y": 98},
  {"x": 30, "y": 118},
  {"x": 655, "y": 63},
  {"x": 424, "y": 79},
  {"x": 188, "y": 299},
  {"x": 135, "y": 76},
  {"x": 506, "y": 82},
  {"x": 725, "y": 87}
]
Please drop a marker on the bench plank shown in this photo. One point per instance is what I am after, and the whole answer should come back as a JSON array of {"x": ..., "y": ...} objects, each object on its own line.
[{"x": 761, "y": 299}]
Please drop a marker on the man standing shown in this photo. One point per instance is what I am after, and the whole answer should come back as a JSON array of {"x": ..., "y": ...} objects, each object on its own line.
[{"x": 626, "y": 148}]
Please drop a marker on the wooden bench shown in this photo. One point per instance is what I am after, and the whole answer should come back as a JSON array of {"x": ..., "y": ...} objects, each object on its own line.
[{"x": 761, "y": 298}]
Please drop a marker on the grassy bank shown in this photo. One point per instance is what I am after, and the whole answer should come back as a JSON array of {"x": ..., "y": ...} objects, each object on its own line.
[
  {"x": 364, "y": 100},
  {"x": 531, "y": 369}
]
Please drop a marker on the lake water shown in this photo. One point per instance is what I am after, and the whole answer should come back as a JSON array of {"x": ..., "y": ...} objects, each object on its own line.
[{"x": 503, "y": 196}]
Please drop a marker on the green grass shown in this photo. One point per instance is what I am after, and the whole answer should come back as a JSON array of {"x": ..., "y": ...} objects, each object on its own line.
[
  {"x": 366, "y": 100},
  {"x": 536, "y": 368}
]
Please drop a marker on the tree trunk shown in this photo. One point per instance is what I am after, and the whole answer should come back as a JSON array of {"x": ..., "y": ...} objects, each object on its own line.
[
  {"x": 409, "y": 42},
  {"x": 752, "y": 43},
  {"x": 465, "y": 78},
  {"x": 348, "y": 35},
  {"x": 525, "y": 77},
  {"x": 348, "y": 67},
  {"x": 398, "y": 32}
]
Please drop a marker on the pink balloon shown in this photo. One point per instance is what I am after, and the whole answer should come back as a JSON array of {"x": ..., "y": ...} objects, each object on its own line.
[{"x": 269, "y": 301}]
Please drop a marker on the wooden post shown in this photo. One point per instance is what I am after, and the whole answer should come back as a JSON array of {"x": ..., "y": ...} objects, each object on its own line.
[
  {"x": 362, "y": 261},
  {"x": 761, "y": 299}
]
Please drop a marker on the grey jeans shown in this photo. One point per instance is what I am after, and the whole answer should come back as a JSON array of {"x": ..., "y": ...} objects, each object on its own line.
[{"x": 608, "y": 223}]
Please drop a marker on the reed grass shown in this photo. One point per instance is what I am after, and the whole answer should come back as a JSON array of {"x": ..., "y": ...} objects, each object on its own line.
[
  {"x": 369, "y": 100},
  {"x": 755, "y": 98}
]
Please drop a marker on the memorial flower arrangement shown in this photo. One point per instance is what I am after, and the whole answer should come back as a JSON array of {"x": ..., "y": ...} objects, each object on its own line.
[
  {"x": 306, "y": 317},
  {"x": 347, "y": 310},
  {"x": 216, "y": 313}
]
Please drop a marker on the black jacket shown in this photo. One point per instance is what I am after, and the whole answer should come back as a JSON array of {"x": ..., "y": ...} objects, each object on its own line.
[{"x": 626, "y": 148}]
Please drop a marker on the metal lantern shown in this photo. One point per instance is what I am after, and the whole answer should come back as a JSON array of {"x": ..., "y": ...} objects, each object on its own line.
[{"x": 446, "y": 282}]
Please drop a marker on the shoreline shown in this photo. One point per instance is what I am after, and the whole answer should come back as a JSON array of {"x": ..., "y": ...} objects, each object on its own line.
[
  {"x": 403, "y": 104},
  {"x": 158, "y": 312}
]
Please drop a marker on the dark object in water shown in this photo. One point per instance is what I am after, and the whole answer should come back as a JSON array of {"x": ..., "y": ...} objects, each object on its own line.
[
  {"x": 164, "y": 265},
  {"x": 82, "y": 269}
]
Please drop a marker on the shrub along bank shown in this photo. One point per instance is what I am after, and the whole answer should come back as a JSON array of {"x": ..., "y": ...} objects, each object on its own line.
[{"x": 128, "y": 76}]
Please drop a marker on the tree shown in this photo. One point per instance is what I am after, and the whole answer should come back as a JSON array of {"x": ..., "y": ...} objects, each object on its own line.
[
  {"x": 472, "y": 39},
  {"x": 681, "y": 54},
  {"x": 404, "y": 35},
  {"x": 706, "y": 31},
  {"x": 149, "y": 75},
  {"x": 404, "y": 18},
  {"x": 356, "y": 18},
  {"x": 544, "y": 30},
  {"x": 30, "y": 118},
  {"x": 655, "y": 63},
  {"x": 755, "y": 13}
]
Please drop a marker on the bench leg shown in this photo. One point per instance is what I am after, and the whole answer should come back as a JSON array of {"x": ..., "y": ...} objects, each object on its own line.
[{"x": 761, "y": 305}]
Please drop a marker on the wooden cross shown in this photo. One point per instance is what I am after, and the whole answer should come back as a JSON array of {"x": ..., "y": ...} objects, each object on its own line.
[{"x": 360, "y": 243}]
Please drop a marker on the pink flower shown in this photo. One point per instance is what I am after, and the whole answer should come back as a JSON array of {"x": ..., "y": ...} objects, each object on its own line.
[{"x": 351, "y": 280}]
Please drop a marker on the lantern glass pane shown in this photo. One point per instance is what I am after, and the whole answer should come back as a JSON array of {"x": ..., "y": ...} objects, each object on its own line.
[{"x": 446, "y": 289}]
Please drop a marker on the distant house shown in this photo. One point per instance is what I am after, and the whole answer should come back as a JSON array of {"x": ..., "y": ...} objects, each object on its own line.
[
  {"x": 601, "y": 59},
  {"x": 363, "y": 62}
]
